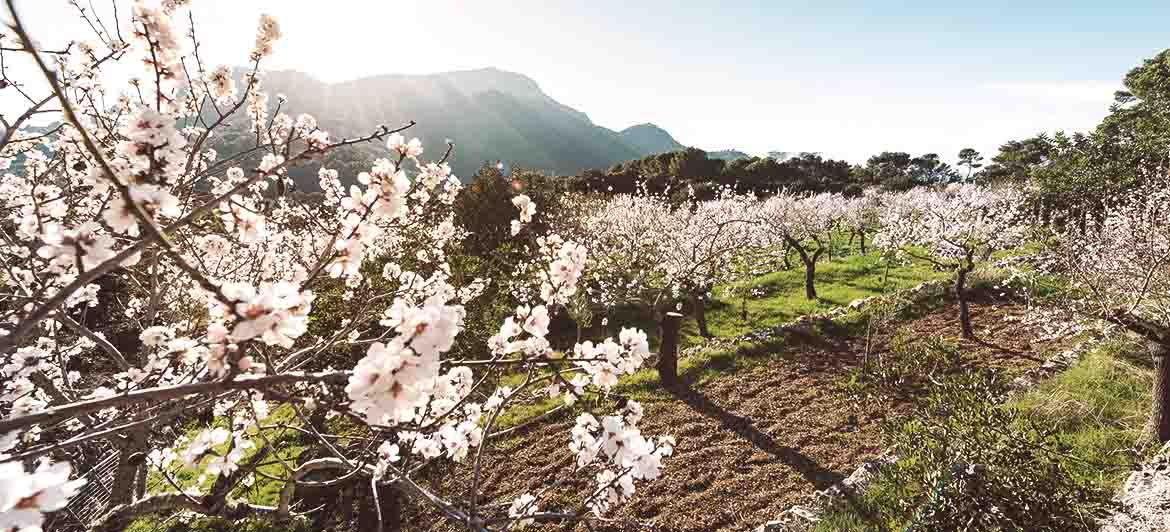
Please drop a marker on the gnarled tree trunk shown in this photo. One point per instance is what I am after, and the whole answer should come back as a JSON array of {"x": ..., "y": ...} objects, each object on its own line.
[
  {"x": 1159, "y": 338},
  {"x": 965, "y": 269},
  {"x": 1160, "y": 413},
  {"x": 810, "y": 273},
  {"x": 810, "y": 267}
]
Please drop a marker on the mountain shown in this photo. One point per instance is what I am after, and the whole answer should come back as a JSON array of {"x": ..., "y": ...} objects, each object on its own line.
[
  {"x": 649, "y": 139},
  {"x": 727, "y": 155},
  {"x": 489, "y": 114}
]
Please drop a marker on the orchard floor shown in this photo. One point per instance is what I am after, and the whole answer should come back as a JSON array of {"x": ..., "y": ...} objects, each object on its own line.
[{"x": 754, "y": 438}]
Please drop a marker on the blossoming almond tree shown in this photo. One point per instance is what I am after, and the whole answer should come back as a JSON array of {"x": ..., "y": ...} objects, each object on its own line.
[
  {"x": 805, "y": 224},
  {"x": 623, "y": 233},
  {"x": 161, "y": 301},
  {"x": 650, "y": 252},
  {"x": 702, "y": 245},
  {"x": 861, "y": 215},
  {"x": 955, "y": 228},
  {"x": 1121, "y": 270}
]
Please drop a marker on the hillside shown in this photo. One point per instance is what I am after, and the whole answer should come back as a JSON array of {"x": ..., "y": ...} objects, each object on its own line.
[
  {"x": 649, "y": 139},
  {"x": 489, "y": 114}
]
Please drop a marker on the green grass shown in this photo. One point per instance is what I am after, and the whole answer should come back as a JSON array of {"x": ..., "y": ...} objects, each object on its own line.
[
  {"x": 1099, "y": 406},
  {"x": 212, "y": 524},
  {"x": 289, "y": 445},
  {"x": 838, "y": 283}
]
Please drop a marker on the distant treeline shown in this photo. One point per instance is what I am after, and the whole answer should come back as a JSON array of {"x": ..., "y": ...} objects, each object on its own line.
[{"x": 894, "y": 171}]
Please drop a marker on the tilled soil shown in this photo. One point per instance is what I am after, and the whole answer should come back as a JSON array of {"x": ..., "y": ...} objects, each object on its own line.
[{"x": 750, "y": 443}]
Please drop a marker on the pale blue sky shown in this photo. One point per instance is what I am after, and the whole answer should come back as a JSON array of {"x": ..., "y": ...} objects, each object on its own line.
[{"x": 846, "y": 78}]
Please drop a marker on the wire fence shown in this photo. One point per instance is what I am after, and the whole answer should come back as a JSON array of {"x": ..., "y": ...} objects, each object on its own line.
[{"x": 90, "y": 501}]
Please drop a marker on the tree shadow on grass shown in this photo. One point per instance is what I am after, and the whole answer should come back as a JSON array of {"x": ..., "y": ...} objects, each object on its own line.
[{"x": 808, "y": 468}]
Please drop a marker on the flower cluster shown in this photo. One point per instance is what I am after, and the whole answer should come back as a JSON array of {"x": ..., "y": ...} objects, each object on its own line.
[
  {"x": 267, "y": 33},
  {"x": 276, "y": 313},
  {"x": 606, "y": 361},
  {"x": 527, "y": 208},
  {"x": 510, "y": 338},
  {"x": 395, "y": 378},
  {"x": 559, "y": 282},
  {"x": 617, "y": 447}
]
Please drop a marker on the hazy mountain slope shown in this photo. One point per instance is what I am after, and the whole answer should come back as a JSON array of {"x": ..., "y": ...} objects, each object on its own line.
[
  {"x": 649, "y": 139},
  {"x": 489, "y": 114}
]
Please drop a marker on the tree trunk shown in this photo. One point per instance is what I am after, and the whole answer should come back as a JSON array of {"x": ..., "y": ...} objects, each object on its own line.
[
  {"x": 810, "y": 268},
  {"x": 961, "y": 294},
  {"x": 130, "y": 460},
  {"x": 668, "y": 349},
  {"x": 140, "y": 483},
  {"x": 863, "y": 242},
  {"x": 701, "y": 315},
  {"x": 1161, "y": 404},
  {"x": 810, "y": 273}
]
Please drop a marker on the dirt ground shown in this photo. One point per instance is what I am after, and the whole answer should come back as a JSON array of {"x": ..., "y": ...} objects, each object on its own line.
[{"x": 750, "y": 443}]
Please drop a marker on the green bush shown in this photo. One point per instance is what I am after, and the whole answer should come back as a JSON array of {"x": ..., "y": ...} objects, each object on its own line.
[{"x": 967, "y": 462}]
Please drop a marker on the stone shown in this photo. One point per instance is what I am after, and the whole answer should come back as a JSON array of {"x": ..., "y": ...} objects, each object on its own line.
[{"x": 1145, "y": 498}]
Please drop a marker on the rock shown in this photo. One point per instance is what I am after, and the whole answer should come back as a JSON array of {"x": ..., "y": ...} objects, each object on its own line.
[{"x": 1145, "y": 498}]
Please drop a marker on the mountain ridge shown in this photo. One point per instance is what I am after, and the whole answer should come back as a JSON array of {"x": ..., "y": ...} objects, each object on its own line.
[{"x": 490, "y": 114}]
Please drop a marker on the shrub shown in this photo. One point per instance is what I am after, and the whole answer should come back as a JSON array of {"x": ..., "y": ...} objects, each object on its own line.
[{"x": 969, "y": 463}]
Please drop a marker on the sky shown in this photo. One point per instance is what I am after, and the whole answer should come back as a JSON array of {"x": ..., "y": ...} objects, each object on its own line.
[{"x": 848, "y": 79}]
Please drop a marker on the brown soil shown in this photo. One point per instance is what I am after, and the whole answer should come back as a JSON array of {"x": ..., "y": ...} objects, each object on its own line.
[{"x": 750, "y": 443}]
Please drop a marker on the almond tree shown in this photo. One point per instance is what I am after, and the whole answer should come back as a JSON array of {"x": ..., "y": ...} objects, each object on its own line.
[
  {"x": 1121, "y": 269},
  {"x": 650, "y": 253},
  {"x": 701, "y": 245},
  {"x": 861, "y": 215},
  {"x": 151, "y": 282},
  {"x": 805, "y": 224},
  {"x": 956, "y": 228}
]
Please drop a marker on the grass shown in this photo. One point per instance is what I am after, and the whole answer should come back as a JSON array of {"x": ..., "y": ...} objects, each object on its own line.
[
  {"x": 779, "y": 296},
  {"x": 1099, "y": 406},
  {"x": 289, "y": 445},
  {"x": 208, "y": 524}
]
